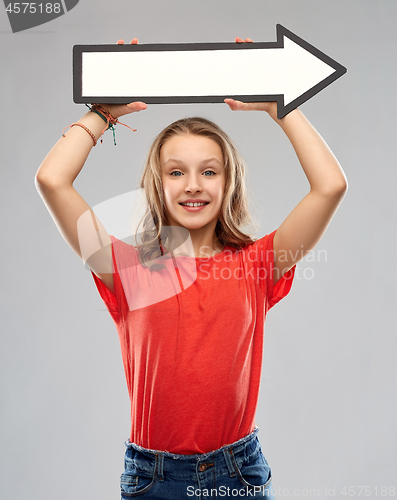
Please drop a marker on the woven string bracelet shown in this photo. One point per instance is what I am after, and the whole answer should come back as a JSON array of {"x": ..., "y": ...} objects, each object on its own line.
[
  {"x": 82, "y": 126},
  {"x": 108, "y": 118}
]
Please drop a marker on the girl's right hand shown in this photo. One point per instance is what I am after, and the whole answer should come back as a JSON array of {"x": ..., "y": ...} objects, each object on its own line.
[{"x": 117, "y": 110}]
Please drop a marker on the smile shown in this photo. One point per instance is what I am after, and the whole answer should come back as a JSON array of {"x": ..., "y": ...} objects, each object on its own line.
[{"x": 194, "y": 207}]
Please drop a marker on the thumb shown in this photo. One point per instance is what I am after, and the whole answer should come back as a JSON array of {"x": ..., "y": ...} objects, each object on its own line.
[
  {"x": 236, "y": 105},
  {"x": 136, "y": 106}
]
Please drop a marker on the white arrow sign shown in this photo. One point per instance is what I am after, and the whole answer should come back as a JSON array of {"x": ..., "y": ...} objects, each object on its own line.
[{"x": 289, "y": 71}]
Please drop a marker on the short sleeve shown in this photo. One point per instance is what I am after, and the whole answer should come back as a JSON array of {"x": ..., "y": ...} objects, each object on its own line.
[
  {"x": 264, "y": 247},
  {"x": 116, "y": 302}
]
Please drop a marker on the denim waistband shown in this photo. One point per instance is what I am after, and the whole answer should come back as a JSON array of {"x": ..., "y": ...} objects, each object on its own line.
[{"x": 184, "y": 466}]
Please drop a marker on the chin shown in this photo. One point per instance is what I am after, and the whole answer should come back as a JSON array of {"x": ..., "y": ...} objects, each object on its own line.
[
  {"x": 189, "y": 224},
  {"x": 194, "y": 226}
]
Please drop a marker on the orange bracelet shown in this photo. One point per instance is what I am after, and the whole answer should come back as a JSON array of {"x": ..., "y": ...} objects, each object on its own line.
[{"x": 82, "y": 126}]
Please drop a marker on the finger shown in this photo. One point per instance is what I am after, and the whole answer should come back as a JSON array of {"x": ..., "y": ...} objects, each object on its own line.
[
  {"x": 134, "y": 41},
  {"x": 240, "y": 40},
  {"x": 233, "y": 104},
  {"x": 236, "y": 105},
  {"x": 136, "y": 106},
  {"x": 120, "y": 42}
]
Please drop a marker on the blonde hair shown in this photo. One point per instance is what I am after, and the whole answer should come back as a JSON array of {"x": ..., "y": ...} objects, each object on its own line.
[{"x": 234, "y": 213}]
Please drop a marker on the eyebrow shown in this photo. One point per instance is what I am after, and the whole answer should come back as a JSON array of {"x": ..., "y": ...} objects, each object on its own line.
[{"x": 175, "y": 160}]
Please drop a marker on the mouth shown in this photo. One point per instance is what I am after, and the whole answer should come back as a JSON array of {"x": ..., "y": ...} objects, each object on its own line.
[{"x": 193, "y": 208}]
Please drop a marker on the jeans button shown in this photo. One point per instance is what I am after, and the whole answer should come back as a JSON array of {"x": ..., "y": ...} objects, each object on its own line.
[{"x": 203, "y": 467}]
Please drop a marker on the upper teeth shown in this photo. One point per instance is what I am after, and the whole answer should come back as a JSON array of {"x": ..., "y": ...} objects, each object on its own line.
[{"x": 193, "y": 204}]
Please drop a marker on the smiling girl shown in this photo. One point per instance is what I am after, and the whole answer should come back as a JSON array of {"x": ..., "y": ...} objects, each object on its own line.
[{"x": 191, "y": 321}]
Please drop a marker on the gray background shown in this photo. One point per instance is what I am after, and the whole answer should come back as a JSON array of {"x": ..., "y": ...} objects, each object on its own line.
[{"x": 327, "y": 407}]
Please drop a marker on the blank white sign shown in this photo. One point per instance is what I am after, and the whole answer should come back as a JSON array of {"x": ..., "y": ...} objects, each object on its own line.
[{"x": 288, "y": 71}]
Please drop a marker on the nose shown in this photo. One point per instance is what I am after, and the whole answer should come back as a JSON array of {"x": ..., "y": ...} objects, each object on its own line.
[{"x": 193, "y": 183}]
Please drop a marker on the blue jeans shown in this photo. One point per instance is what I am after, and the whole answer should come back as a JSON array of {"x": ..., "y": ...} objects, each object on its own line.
[{"x": 237, "y": 470}]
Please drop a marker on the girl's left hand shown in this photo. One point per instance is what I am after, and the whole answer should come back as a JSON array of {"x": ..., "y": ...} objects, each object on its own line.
[{"x": 269, "y": 107}]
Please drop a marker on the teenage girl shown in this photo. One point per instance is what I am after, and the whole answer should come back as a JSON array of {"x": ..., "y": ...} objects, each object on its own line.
[{"x": 193, "y": 357}]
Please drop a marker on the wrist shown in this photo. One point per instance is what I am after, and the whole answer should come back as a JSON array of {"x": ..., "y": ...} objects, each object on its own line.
[
  {"x": 94, "y": 122},
  {"x": 103, "y": 112},
  {"x": 102, "y": 117},
  {"x": 287, "y": 118},
  {"x": 272, "y": 111}
]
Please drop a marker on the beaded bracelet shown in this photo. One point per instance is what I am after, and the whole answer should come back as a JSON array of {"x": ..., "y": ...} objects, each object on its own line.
[{"x": 82, "y": 126}]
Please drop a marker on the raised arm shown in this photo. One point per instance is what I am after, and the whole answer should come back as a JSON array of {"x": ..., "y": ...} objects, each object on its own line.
[
  {"x": 303, "y": 228},
  {"x": 306, "y": 224},
  {"x": 54, "y": 182}
]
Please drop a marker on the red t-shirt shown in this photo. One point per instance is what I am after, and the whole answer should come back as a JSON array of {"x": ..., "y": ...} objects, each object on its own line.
[{"x": 191, "y": 339}]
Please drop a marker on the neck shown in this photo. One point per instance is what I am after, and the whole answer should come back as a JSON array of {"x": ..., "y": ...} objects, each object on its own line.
[{"x": 202, "y": 241}]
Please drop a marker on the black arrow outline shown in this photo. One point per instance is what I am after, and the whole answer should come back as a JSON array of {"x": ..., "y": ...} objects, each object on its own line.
[{"x": 282, "y": 110}]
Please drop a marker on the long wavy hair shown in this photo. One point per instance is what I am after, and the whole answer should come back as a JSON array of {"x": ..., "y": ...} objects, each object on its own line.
[{"x": 156, "y": 236}]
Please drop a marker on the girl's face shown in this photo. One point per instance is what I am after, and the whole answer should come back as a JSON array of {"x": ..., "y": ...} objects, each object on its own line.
[{"x": 192, "y": 168}]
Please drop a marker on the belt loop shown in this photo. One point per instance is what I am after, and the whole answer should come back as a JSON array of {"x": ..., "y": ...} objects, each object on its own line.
[
  {"x": 227, "y": 453},
  {"x": 159, "y": 464}
]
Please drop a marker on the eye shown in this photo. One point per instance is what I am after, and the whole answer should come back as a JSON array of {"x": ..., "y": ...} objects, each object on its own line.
[{"x": 176, "y": 173}]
